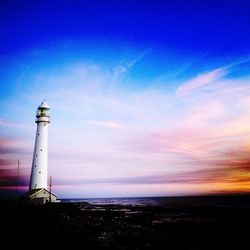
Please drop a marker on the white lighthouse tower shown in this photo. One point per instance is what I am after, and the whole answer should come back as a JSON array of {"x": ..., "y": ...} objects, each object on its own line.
[
  {"x": 38, "y": 192},
  {"x": 39, "y": 172}
]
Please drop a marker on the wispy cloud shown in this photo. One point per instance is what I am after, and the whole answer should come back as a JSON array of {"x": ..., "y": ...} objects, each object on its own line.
[
  {"x": 213, "y": 77},
  {"x": 200, "y": 81},
  {"x": 127, "y": 65}
]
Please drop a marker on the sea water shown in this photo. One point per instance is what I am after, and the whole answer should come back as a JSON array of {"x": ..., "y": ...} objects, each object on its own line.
[{"x": 167, "y": 201}]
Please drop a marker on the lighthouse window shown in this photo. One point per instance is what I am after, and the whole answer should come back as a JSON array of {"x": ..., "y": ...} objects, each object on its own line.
[
  {"x": 41, "y": 150},
  {"x": 38, "y": 134},
  {"x": 36, "y": 155},
  {"x": 39, "y": 172},
  {"x": 35, "y": 166}
]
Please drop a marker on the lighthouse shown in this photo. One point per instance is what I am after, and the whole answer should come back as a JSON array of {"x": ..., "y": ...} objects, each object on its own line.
[
  {"x": 39, "y": 171},
  {"x": 38, "y": 188}
]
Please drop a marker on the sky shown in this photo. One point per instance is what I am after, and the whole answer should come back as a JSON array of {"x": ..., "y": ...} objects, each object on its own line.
[{"x": 147, "y": 98}]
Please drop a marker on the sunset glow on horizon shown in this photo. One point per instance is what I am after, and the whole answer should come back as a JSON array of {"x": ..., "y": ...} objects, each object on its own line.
[{"x": 144, "y": 100}]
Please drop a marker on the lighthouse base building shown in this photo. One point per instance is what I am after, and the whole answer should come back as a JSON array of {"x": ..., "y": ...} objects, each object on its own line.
[
  {"x": 39, "y": 197},
  {"x": 38, "y": 189}
]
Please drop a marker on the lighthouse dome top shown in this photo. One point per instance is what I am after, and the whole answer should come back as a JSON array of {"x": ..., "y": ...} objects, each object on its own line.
[{"x": 43, "y": 105}]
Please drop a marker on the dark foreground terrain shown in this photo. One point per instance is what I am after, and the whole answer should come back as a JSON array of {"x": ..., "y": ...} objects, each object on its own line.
[{"x": 212, "y": 223}]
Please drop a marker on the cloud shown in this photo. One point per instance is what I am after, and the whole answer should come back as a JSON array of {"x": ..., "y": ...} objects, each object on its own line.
[
  {"x": 12, "y": 149},
  {"x": 217, "y": 77},
  {"x": 105, "y": 133},
  {"x": 13, "y": 146},
  {"x": 4, "y": 163},
  {"x": 163, "y": 140},
  {"x": 200, "y": 81},
  {"x": 125, "y": 66},
  {"x": 108, "y": 124},
  {"x": 230, "y": 174},
  {"x": 7, "y": 123},
  {"x": 10, "y": 184}
]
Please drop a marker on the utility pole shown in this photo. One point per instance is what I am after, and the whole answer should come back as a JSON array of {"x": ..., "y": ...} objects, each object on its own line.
[
  {"x": 50, "y": 184},
  {"x": 17, "y": 178}
]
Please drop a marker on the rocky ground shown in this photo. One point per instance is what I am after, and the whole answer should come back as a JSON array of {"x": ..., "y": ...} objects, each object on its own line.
[{"x": 85, "y": 226}]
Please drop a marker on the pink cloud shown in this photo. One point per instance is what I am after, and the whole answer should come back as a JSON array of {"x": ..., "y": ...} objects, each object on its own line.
[{"x": 10, "y": 151}]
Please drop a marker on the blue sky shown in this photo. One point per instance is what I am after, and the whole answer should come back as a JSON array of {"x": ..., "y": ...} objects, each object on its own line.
[
  {"x": 147, "y": 97},
  {"x": 218, "y": 26}
]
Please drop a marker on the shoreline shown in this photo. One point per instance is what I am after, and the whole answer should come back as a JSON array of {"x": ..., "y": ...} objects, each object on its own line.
[{"x": 124, "y": 227}]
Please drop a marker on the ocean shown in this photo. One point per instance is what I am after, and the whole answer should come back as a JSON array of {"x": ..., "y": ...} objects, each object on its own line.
[
  {"x": 218, "y": 200},
  {"x": 134, "y": 201}
]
